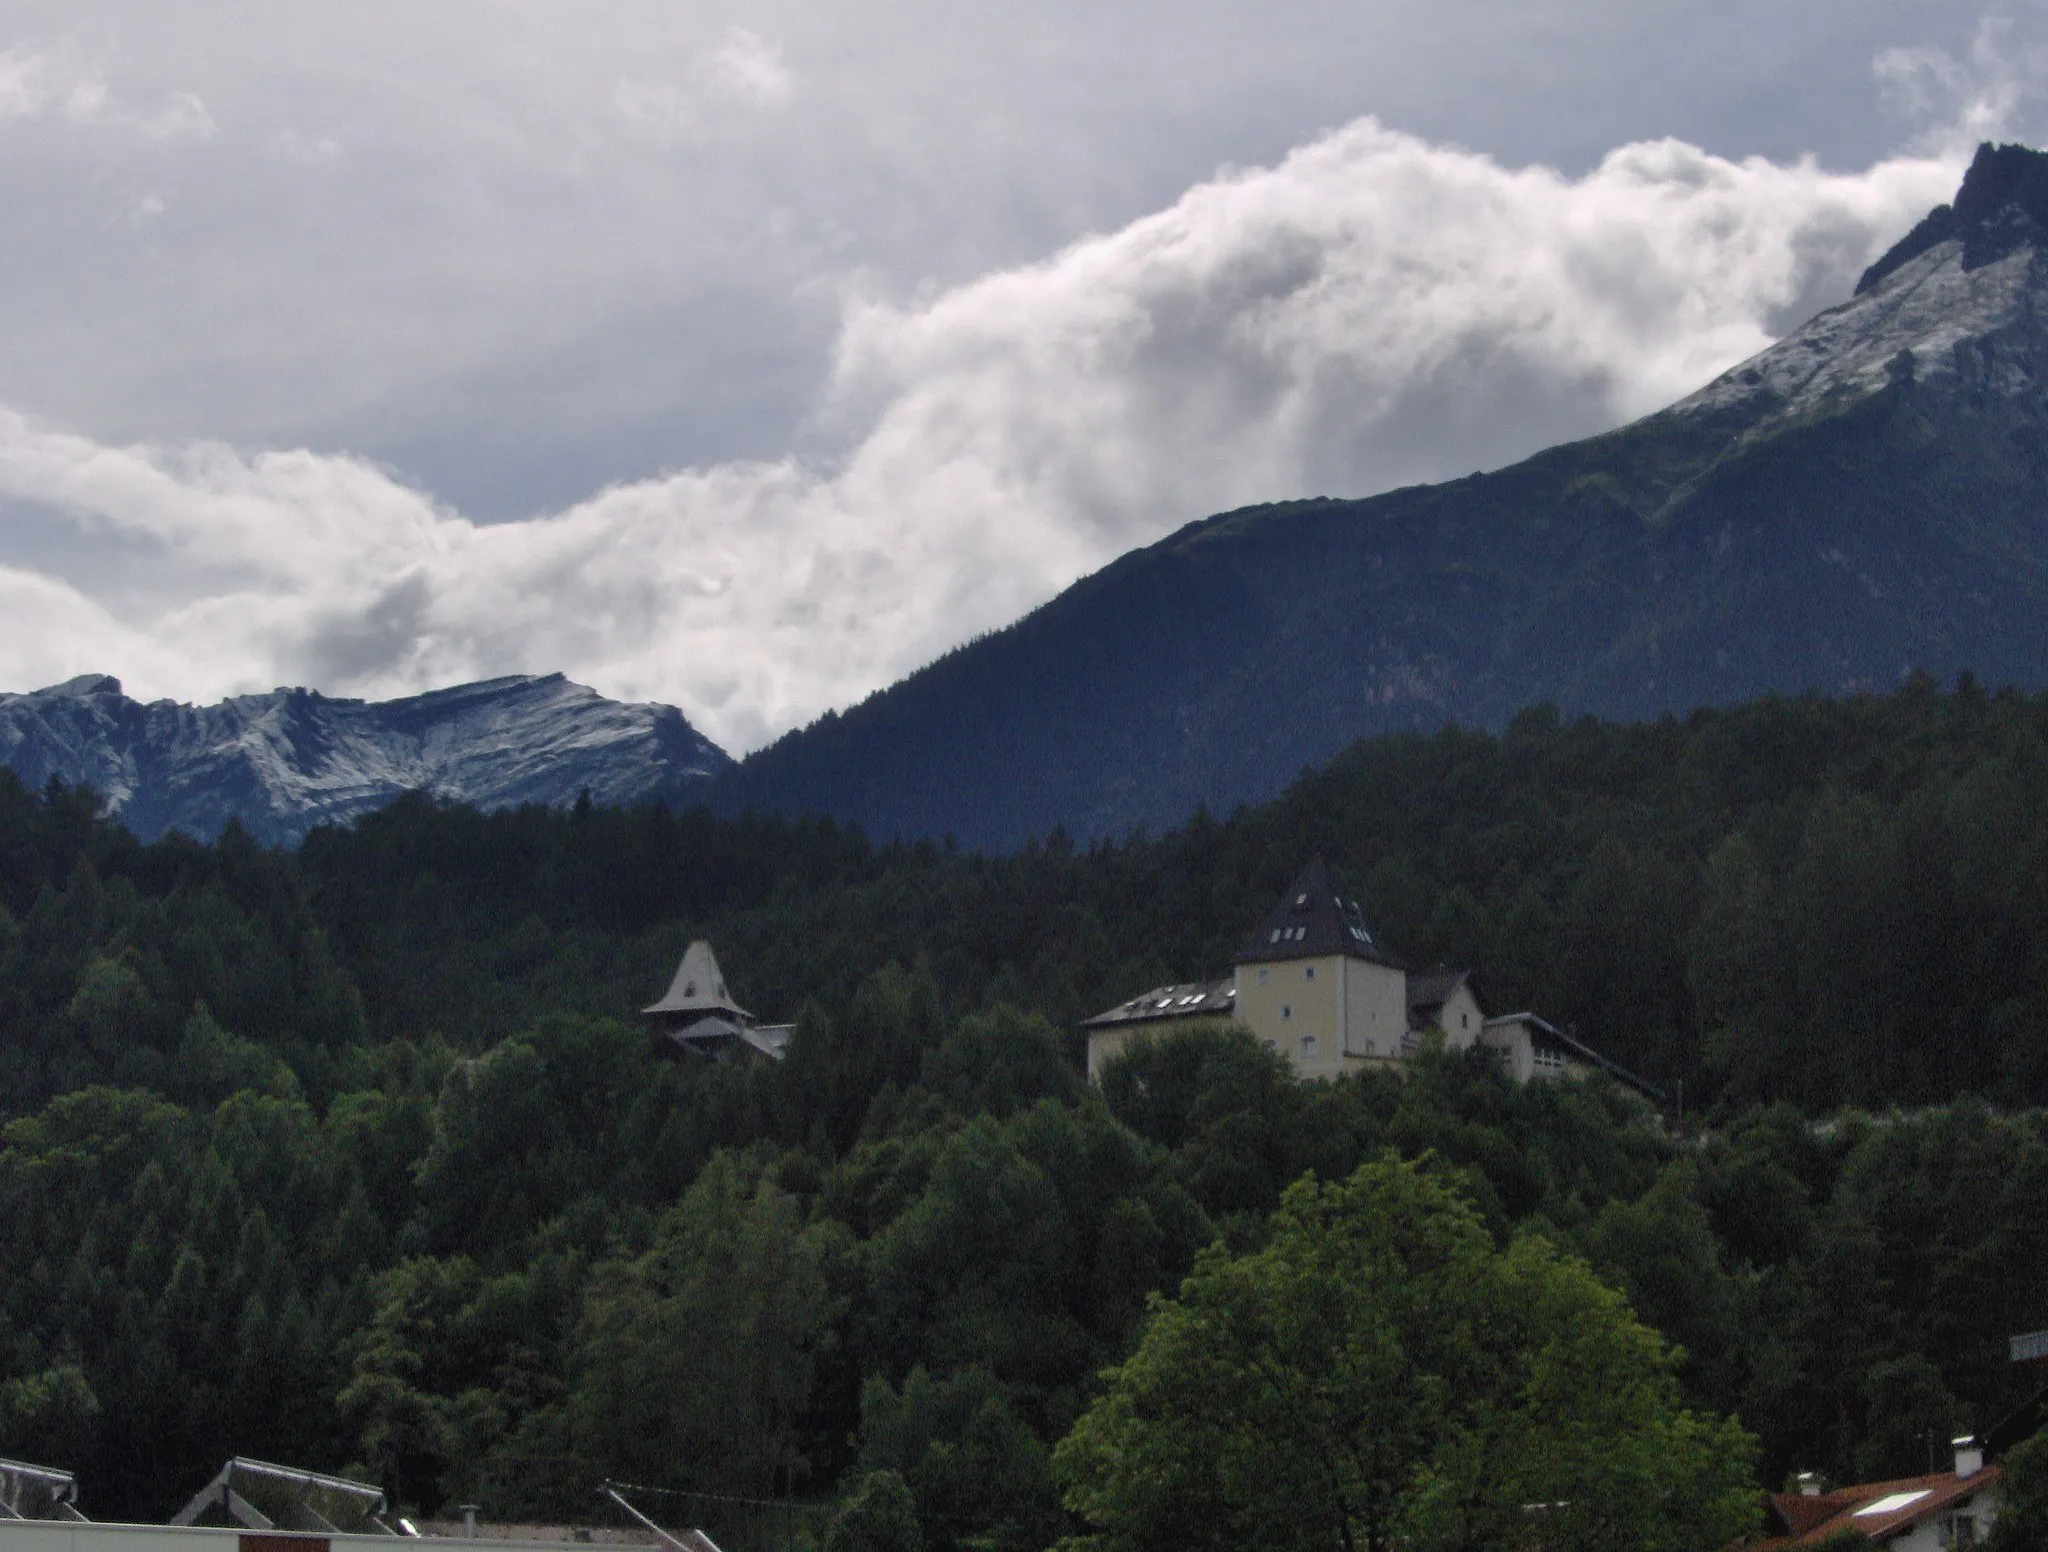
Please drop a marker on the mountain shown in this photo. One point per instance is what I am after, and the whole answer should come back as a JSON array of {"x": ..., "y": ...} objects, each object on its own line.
[
  {"x": 1866, "y": 498},
  {"x": 287, "y": 761}
]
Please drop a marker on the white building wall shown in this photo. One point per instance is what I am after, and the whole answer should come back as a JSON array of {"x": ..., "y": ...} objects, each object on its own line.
[
  {"x": 1510, "y": 1037},
  {"x": 1375, "y": 1010},
  {"x": 1461, "y": 1019}
]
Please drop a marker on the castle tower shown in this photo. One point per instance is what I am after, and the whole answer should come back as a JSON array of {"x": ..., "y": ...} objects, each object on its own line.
[{"x": 1315, "y": 983}]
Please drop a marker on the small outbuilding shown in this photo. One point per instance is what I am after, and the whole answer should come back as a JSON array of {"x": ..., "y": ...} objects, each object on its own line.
[{"x": 698, "y": 1015}]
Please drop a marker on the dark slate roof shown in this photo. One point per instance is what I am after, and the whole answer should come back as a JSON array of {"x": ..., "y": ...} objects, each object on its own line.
[
  {"x": 1186, "y": 999},
  {"x": 1315, "y": 919},
  {"x": 1428, "y": 992}
]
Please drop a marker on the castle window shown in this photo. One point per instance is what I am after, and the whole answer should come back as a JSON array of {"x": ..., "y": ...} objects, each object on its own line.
[
  {"x": 1262, "y": 975},
  {"x": 1464, "y": 1021},
  {"x": 1311, "y": 972},
  {"x": 1286, "y": 1010},
  {"x": 1308, "y": 1048}
]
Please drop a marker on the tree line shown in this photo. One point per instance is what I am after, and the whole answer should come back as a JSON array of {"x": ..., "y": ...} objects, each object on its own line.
[{"x": 347, "y": 1156}]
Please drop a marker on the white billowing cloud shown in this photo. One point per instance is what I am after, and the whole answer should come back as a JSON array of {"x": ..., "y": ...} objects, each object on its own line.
[
  {"x": 744, "y": 71},
  {"x": 308, "y": 150},
  {"x": 38, "y": 82},
  {"x": 1965, "y": 102},
  {"x": 1372, "y": 310},
  {"x": 748, "y": 68}
]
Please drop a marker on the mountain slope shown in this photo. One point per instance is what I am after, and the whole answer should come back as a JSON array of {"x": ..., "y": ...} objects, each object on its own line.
[
  {"x": 1867, "y": 497},
  {"x": 287, "y": 761}
]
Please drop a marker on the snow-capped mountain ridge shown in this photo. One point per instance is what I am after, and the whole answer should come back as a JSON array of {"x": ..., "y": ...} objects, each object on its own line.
[
  {"x": 284, "y": 762},
  {"x": 1953, "y": 303},
  {"x": 1931, "y": 318}
]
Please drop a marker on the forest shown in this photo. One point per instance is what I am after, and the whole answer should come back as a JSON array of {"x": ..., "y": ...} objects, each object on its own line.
[{"x": 355, "y": 1157}]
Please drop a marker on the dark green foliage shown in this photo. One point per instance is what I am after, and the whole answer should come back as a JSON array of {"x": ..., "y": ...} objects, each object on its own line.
[
  {"x": 351, "y": 1157},
  {"x": 878, "y": 1515},
  {"x": 2023, "y": 1521},
  {"x": 1381, "y": 1374}
]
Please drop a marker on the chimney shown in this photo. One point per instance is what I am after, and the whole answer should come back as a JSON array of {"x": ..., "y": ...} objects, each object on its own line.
[
  {"x": 1809, "y": 1484},
  {"x": 1969, "y": 1456}
]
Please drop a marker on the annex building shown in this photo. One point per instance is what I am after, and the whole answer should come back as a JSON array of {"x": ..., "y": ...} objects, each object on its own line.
[{"x": 1317, "y": 984}]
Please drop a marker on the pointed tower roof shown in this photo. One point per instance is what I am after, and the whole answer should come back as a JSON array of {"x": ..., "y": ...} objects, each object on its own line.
[
  {"x": 1315, "y": 919},
  {"x": 699, "y": 987}
]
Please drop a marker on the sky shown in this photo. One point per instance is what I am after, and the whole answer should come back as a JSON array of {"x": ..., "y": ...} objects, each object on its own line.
[{"x": 748, "y": 357}]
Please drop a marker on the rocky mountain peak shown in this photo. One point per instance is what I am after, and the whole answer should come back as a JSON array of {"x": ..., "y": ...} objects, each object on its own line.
[
  {"x": 284, "y": 761},
  {"x": 2001, "y": 207}
]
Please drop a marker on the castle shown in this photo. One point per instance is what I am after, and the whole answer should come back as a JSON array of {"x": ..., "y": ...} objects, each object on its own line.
[{"x": 1316, "y": 984}]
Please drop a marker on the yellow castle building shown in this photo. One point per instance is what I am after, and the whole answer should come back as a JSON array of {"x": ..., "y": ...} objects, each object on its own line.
[{"x": 1315, "y": 983}]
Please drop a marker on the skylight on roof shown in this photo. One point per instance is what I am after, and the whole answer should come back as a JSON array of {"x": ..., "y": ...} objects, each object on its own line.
[{"x": 1891, "y": 1503}]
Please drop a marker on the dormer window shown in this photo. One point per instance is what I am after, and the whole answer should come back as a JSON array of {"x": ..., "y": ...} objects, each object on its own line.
[{"x": 1301, "y": 902}]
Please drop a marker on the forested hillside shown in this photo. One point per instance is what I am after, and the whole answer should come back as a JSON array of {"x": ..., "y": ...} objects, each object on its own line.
[
  {"x": 1863, "y": 497},
  {"x": 350, "y": 1156}
]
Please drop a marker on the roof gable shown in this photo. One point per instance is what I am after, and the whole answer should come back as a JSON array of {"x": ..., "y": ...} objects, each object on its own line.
[
  {"x": 698, "y": 986},
  {"x": 1428, "y": 992},
  {"x": 1315, "y": 919}
]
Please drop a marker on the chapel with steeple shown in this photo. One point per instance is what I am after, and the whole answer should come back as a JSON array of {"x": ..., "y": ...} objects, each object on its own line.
[{"x": 699, "y": 1017}]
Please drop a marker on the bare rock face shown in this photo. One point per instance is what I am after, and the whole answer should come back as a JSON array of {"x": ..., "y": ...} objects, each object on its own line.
[{"x": 285, "y": 762}]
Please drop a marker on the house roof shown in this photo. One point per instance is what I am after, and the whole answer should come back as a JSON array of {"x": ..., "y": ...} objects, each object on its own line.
[
  {"x": 698, "y": 986},
  {"x": 1428, "y": 992},
  {"x": 1315, "y": 919},
  {"x": 1185, "y": 999},
  {"x": 1880, "y": 1510}
]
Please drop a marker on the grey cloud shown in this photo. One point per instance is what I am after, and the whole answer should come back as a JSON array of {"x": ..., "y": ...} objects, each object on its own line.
[
  {"x": 1370, "y": 310},
  {"x": 915, "y": 312}
]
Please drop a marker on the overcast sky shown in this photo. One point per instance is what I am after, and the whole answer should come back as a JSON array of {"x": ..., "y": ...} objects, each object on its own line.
[{"x": 748, "y": 357}]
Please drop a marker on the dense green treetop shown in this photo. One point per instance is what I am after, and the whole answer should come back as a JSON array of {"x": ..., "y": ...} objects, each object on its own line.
[
  {"x": 350, "y": 1157},
  {"x": 1380, "y": 1374}
]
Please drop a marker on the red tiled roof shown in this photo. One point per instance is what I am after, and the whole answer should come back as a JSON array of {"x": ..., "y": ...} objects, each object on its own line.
[{"x": 1809, "y": 1521}]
